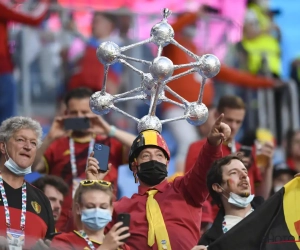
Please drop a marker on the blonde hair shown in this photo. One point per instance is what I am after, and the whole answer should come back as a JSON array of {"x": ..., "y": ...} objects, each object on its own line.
[{"x": 78, "y": 198}]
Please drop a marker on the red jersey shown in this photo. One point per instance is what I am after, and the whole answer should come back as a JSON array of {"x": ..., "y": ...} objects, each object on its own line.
[
  {"x": 7, "y": 14},
  {"x": 74, "y": 241},
  {"x": 39, "y": 222},
  {"x": 57, "y": 161},
  {"x": 180, "y": 202}
]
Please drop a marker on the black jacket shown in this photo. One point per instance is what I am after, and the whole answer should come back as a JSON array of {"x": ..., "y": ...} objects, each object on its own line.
[{"x": 216, "y": 229}]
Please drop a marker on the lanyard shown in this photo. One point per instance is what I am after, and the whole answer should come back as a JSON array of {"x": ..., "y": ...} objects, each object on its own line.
[
  {"x": 83, "y": 234},
  {"x": 5, "y": 204},
  {"x": 73, "y": 158}
]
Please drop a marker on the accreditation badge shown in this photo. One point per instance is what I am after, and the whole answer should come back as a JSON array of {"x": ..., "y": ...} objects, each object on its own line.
[{"x": 15, "y": 239}]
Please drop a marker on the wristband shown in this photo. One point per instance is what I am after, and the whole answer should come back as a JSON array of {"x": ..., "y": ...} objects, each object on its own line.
[{"x": 112, "y": 131}]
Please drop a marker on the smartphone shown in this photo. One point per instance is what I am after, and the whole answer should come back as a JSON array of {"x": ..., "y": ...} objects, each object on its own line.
[
  {"x": 52, "y": 235},
  {"x": 101, "y": 153},
  {"x": 125, "y": 218},
  {"x": 77, "y": 123},
  {"x": 247, "y": 150}
]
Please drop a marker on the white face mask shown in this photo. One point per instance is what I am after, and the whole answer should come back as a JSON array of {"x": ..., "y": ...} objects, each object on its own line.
[
  {"x": 14, "y": 168},
  {"x": 240, "y": 201}
]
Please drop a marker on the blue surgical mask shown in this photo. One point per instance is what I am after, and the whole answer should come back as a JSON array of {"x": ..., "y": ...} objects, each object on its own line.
[
  {"x": 14, "y": 168},
  {"x": 95, "y": 218},
  {"x": 240, "y": 201}
]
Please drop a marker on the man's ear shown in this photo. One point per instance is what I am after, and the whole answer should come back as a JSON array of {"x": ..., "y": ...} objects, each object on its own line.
[
  {"x": 134, "y": 167},
  {"x": 2, "y": 148},
  {"x": 217, "y": 188}
]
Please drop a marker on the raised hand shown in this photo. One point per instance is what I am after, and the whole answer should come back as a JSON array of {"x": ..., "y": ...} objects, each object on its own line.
[
  {"x": 98, "y": 125},
  {"x": 219, "y": 132},
  {"x": 93, "y": 170},
  {"x": 57, "y": 128},
  {"x": 114, "y": 238}
]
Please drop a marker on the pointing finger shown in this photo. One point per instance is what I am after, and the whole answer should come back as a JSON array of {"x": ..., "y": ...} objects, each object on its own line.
[{"x": 219, "y": 120}]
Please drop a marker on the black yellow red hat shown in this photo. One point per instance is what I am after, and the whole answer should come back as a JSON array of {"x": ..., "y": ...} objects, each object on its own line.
[{"x": 146, "y": 139}]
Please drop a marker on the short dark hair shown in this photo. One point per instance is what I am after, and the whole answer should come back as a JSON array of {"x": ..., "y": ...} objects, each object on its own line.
[
  {"x": 215, "y": 175},
  {"x": 231, "y": 102},
  {"x": 78, "y": 93},
  {"x": 52, "y": 180}
]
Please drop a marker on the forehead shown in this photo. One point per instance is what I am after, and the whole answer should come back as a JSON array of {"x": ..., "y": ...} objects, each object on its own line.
[
  {"x": 26, "y": 133},
  {"x": 234, "y": 113},
  {"x": 51, "y": 190},
  {"x": 234, "y": 164},
  {"x": 79, "y": 102},
  {"x": 95, "y": 196},
  {"x": 151, "y": 150}
]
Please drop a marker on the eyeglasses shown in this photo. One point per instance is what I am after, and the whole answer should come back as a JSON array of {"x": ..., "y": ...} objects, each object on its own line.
[{"x": 92, "y": 182}]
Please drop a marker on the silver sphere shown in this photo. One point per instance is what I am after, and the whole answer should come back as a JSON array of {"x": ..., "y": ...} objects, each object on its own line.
[
  {"x": 149, "y": 122},
  {"x": 162, "y": 33},
  {"x": 161, "y": 97},
  {"x": 108, "y": 52},
  {"x": 209, "y": 66},
  {"x": 147, "y": 83},
  {"x": 196, "y": 114},
  {"x": 162, "y": 68},
  {"x": 101, "y": 104}
]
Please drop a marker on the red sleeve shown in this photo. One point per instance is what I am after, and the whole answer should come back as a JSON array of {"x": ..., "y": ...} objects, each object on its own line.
[
  {"x": 192, "y": 155},
  {"x": 9, "y": 14},
  {"x": 193, "y": 184},
  {"x": 243, "y": 78},
  {"x": 61, "y": 242}
]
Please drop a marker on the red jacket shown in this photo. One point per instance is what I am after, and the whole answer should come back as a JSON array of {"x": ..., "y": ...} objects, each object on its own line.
[{"x": 180, "y": 202}]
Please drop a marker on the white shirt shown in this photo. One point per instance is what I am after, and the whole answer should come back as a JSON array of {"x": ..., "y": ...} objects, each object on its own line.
[{"x": 231, "y": 220}]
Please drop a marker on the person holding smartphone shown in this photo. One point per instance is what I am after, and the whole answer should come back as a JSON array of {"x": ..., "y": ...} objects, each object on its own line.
[
  {"x": 165, "y": 215},
  {"x": 92, "y": 211},
  {"x": 71, "y": 140}
]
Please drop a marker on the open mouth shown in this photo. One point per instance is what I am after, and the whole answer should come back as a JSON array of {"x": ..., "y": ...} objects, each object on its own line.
[
  {"x": 244, "y": 184},
  {"x": 25, "y": 155}
]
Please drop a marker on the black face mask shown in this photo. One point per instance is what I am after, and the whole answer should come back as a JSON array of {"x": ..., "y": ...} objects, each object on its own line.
[{"x": 152, "y": 172}]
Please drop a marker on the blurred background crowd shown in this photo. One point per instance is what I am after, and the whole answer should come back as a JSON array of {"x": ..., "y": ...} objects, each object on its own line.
[{"x": 49, "y": 49}]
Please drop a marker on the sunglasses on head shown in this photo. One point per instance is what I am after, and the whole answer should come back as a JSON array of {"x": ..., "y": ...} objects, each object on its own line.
[{"x": 92, "y": 182}]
